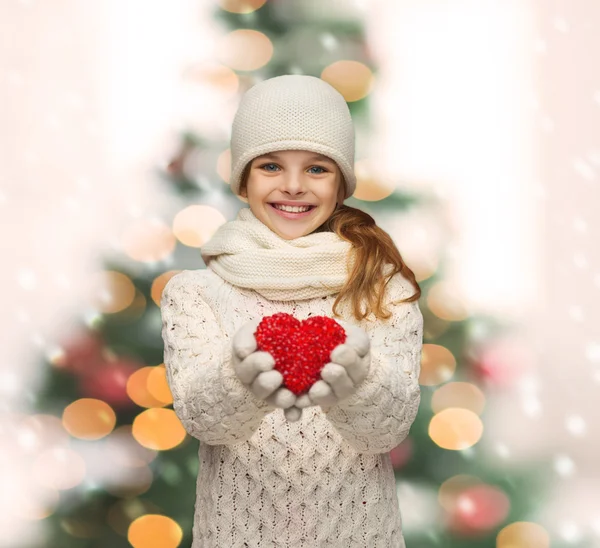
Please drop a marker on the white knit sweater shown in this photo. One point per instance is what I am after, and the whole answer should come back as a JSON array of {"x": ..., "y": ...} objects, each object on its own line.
[{"x": 326, "y": 480}]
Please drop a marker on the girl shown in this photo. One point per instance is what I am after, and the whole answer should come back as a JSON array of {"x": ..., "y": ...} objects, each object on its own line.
[{"x": 277, "y": 469}]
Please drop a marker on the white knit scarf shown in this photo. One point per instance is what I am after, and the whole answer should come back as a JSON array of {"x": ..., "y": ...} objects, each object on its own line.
[{"x": 246, "y": 253}]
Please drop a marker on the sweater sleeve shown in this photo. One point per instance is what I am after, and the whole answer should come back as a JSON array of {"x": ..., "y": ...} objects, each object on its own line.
[
  {"x": 378, "y": 416},
  {"x": 208, "y": 398}
]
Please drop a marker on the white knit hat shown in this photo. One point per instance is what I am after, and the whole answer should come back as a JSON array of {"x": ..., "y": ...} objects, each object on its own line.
[{"x": 293, "y": 112}]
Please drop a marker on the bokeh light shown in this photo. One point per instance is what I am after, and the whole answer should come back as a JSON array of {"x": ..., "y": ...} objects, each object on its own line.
[
  {"x": 138, "y": 389},
  {"x": 59, "y": 468},
  {"x": 438, "y": 365},
  {"x": 444, "y": 300},
  {"x": 89, "y": 419},
  {"x": 241, "y": 6},
  {"x": 458, "y": 394},
  {"x": 148, "y": 240},
  {"x": 158, "y": 385},
  {"x": 112, "y": 291},
  {"x": 523, "y": 534},
  {"x": 159, "y": 283},
  {"x": 158, "y": 429},
  {"x": 354, "y": 80},
  {"x": 154, "y": 531},
  {"x": 244, "y": 49},
  {"x": 455, "y": 429},
  {"x": 370, "y": 186},
  {"x": 196, "y": 224}
]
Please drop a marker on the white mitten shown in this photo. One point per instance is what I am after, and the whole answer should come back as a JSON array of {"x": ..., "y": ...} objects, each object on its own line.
[
  {"x": 294, "y": 413},
  {"x": 348, "y": 368},
  {"x": 255, "y": 368}
]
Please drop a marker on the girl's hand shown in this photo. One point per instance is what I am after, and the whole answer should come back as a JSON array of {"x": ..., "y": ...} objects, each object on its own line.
[
  {"x": 255, "y": 370},
  {"x": 348, "y": 368}
]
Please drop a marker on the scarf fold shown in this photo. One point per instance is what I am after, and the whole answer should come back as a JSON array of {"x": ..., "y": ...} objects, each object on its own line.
[{"x": 248, "y": 254}]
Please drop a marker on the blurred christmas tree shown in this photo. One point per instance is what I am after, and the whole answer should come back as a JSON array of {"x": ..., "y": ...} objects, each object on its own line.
[{"x": 107, "y": 386}]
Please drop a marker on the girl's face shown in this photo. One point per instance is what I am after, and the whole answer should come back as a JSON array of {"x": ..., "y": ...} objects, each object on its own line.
[{"x": 293, "y": 177}]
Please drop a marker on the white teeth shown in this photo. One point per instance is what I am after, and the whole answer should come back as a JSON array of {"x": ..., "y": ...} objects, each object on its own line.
[{"x": 291, "y": 209}]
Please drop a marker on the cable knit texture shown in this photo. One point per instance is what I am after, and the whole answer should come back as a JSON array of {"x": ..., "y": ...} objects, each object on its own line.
[
  {"x": 324, "y": 481},
  {"x": 247, "y": 253}
]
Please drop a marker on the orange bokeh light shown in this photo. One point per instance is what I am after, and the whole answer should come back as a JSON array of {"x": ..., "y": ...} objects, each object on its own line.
[
  {"x": 455, "y": 429},
  {"x": 154, "y": 531},
  {"x": 159, "y": 429},
  {"x": 89, "y": 419}
]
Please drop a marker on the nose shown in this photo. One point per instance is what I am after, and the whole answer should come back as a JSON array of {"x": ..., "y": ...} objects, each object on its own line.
[{"x": 293, "y": 183}]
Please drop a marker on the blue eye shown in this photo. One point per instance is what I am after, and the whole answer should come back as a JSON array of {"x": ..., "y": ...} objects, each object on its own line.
[
  {"x": 321, "y": 168},
  {"x": 264, "y": 165}
]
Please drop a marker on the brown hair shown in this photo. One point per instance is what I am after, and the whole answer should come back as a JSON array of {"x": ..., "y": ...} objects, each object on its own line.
[{"x": 373, "y": 250}]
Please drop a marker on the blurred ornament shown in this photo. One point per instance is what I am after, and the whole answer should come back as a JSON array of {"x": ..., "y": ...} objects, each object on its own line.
[
  {"x": 479, "y": 509},
  {"x": 80, "y": 353},
  {"x": 175, "y": 168},
  {"x": 451, "y": 489},
  {"x": 108, "y": 382},
  {"x": 402, "y": 453},
  {"x": 503, "y": 362}
]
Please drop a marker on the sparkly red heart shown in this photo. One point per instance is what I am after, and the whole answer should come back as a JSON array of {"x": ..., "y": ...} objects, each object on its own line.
[{"x": 300, "y": 348}]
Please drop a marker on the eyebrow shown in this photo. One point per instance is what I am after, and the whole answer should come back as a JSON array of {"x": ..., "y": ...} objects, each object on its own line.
[{"x": 314, "y": 157}]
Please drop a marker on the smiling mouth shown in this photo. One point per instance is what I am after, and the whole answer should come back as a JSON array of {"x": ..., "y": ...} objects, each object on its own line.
[
  {"x": 309, "y": 208},
  {"x": 291, "y": 214}
]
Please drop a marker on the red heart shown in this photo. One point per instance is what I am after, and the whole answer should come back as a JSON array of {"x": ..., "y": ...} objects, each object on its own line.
[{"x": 300, "y": 348}]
